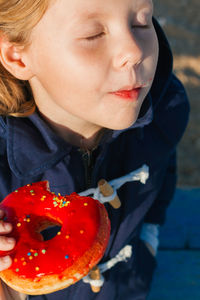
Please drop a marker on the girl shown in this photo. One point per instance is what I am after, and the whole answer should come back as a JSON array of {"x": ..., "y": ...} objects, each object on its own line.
[{"x": 85, "y": 94}]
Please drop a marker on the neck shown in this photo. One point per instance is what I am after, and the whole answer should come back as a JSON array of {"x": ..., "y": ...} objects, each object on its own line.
[
  {"x": 85, "y": 138},
  {"x": 72, "y": 129}
]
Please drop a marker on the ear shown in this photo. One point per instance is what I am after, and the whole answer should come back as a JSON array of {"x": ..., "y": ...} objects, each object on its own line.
[{"x": 12, "y": 58}]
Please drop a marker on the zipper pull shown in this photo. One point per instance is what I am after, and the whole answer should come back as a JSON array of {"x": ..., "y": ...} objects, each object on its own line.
[{"x": 88, "y": 165}]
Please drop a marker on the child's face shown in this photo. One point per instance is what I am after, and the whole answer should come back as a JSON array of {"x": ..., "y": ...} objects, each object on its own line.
[{"x": 82, "y": 50}]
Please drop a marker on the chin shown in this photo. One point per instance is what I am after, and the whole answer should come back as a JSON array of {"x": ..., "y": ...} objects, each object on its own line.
[{"x": 122, "y": 124}]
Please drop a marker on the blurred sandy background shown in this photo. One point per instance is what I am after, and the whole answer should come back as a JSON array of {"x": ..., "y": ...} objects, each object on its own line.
[{"x": 181, "y": 22}]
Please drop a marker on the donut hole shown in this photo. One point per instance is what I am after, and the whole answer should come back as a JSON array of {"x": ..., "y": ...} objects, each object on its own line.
[
  {"x": 47, "y": 229},
  {"x": 50, "y": 232}
]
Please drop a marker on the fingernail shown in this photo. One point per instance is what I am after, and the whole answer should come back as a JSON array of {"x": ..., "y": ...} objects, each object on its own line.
[
  {"x": 7, "y": 226},
  {"x": 6, "y": 259},
  {"x": 10, "y": 240}
]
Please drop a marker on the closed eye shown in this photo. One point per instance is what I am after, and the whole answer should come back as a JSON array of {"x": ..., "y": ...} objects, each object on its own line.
[
  {"x": 95, "y": 37},
  {"x": 145, "y": 26}
]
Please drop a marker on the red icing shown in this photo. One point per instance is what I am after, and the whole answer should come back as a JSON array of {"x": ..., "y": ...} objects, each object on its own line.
[{"x": 25, "y": 209}]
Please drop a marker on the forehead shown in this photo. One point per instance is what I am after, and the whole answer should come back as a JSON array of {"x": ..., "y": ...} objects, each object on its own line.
[
  {"x": 88, "y": 9},
  {"x": 69, "y": 14},
  {"x": 94, "y": 8}
]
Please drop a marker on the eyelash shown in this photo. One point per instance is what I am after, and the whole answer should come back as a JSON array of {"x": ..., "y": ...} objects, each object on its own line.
[
  {"x": 98, "y": 36},
  {"x": 95, "y": 37},
  {"x": 145, "y": 26}
]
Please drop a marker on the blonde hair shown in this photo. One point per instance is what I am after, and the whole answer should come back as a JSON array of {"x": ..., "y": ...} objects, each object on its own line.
[{"x": 17, "y": 19}]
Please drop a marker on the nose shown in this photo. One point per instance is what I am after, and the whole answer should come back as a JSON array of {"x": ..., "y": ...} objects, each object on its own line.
[{"x": 128, "y": 52}]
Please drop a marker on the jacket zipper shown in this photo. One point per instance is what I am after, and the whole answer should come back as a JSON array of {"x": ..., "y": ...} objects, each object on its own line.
[
  {"x": 91, "y": 166},
  {"x": 88, "y": 166}
]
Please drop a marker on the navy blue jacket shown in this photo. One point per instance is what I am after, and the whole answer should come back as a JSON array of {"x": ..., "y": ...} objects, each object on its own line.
[{"x": 30, "y": 151}]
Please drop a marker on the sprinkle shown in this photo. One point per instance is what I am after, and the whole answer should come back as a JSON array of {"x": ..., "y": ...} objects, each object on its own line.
[
  {"x": 30, "y": 257},
  {"x": 32, "y": 250},
  {"x": 67, "y": 236},
  {"x": 43, "y": 251},
  {"x": 17, "y": 270},
  {"x": 24, "y": 263},
  {"x": 22, "y": 259},
  {"x": 66, "y": 256},
  {"x": 85, "y": 204},
  {"x": 32, "y": 191},
  {"x": 81, "y": 231},
  {"x": 27, "y": 219},
  {"x": 36, "y": 254},
  {"x": 28, "y": 184},
  {"x": 60, "y": 202},
  {"x": 29, "y": 253},
  {"x": 16, "y": 191},
  {"x": 59, "y": 233},
  {"x": 15, "y": 260},
  {"x": 37, "y": 268},
  {"x": 19, "y": 224},
  {"x": 59, "y": 194}
]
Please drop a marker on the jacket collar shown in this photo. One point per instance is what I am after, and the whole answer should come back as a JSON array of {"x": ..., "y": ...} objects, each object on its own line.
[{"x": 33, "y": 147}]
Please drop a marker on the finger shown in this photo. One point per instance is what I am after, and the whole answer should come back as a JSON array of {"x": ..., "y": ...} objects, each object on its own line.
[
  {"x": 1, "y": 213},
  {"x": 5, "y": 227},
  {"x": 5, "y": 262},
  {"x": 152, "y": 251},
  {"x": 6, "y": 243}
]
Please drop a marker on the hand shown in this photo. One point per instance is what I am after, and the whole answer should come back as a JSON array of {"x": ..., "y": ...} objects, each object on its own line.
[
  {"x": 6, "y": 243},
  {"x": 150, "y": 248},
  {"x": 149, "y": 234}
]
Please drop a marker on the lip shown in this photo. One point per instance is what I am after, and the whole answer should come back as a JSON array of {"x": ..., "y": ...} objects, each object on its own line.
[{"x": 129, "y": 94}]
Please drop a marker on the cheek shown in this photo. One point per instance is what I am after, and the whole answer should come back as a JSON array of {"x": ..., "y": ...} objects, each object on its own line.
[
  {"x": 72, "y": 74},
  {"x": 89, "y": 52},
  {"x": 91, "y": 59},
  {"x": 153, "y": 48},
  {"x": 151, "y": 55}
]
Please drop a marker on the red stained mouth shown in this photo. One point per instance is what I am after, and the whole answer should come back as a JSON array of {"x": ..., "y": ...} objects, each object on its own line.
[{"x": 128, "y": 94}]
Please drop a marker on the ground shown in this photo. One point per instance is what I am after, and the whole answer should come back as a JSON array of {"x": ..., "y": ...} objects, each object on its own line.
[{"x": 181, "y": 22}]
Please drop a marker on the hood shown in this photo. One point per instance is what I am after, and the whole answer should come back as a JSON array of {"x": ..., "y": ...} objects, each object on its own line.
[{"x": 32, "y": 146}]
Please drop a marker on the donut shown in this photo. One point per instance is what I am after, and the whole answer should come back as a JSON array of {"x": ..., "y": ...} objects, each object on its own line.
[{"x": 44, "y": 266}]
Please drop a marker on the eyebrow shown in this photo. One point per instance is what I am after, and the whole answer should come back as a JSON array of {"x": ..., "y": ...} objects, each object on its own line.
[{"x": 88, "y": 16}]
